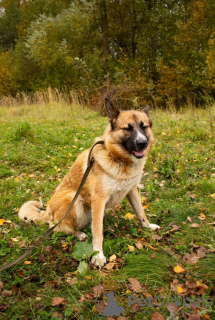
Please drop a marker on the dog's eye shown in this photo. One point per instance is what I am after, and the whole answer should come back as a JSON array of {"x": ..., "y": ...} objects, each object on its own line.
[
  {"x": 129, "y": 128},
  {"x": 142, "y": 125}
]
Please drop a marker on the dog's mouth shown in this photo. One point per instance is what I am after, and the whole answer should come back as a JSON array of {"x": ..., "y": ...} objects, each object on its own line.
[{"x": 138, "y": 154}]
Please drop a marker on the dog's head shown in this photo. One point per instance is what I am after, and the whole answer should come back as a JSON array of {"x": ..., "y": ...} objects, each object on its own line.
[{"x": 131, "y": 129}]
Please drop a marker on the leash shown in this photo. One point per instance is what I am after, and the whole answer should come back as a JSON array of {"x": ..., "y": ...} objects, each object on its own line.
[{"x": 49, "y": 231}]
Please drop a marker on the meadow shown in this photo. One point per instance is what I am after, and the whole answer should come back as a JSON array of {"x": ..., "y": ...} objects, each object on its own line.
[{"x": 39, "y": 143}]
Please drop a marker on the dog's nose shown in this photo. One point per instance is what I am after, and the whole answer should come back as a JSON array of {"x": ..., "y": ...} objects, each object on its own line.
[{"x": 141, "y": 144}]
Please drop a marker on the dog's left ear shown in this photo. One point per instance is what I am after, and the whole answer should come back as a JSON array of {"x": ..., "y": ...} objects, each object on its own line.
[
  {"x": 112, "y": 111},
  {"x": 146, "y": 110}
]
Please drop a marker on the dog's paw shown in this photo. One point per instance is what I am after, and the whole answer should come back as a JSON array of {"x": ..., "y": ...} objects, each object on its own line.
[
  {"x": 82, "y": 236},
  {"x": 152, "y": 226},
  {"x": 98, "y": 260}
]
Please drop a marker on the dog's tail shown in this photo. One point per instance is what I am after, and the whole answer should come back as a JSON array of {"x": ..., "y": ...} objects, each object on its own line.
[{"x": 31, "y": 211}]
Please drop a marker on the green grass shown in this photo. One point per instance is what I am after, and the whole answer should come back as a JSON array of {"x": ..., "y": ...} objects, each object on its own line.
[{"x": 37, "y": 147}]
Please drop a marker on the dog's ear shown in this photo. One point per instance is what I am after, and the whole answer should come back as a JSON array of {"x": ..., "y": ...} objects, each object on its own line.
[
  {"x": 146, "y": 110},
  {"x": 112, "y": 111}
]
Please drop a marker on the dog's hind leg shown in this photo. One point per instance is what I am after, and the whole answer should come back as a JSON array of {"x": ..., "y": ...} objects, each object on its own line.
[{"x": 76, "y": 219}]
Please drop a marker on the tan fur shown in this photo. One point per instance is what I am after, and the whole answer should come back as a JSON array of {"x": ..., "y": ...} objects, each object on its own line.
[{"x": 115, "y": 174}]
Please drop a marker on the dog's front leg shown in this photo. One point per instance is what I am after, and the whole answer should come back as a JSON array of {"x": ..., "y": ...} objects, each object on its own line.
[
  {"x": 134, "y": 199},
  {"x": 98, "y": 206}
]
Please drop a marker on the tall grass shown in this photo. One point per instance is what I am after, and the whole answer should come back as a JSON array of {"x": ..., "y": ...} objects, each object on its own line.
[{"x": 48, "y": 104}]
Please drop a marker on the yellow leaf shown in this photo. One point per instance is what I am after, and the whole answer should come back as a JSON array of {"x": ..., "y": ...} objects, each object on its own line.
[
  {"x": 213, "y": 195},
  {"x": 179, "y": 289},
  {"x": 27, "y": 262},
  {"x": 178, "y": 269},
  {"x": 130, "y": 248},
  {"x": 95, "y": 308},
  {"x": 88, "y": 277},
  {"x": 1, "y": 222},
  {"x": 130, "y": 216},
  {"x": 112, "y": 258},
  {"x": 202, "y": 216},
  {"x": 16, "y": 179}
]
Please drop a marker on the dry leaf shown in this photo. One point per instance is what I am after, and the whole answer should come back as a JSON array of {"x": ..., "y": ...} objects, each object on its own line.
[
  {"x": 171, "y": 307},
  {"x": 130, "y": 216},
  {"x": 195, "y": 225},
  {"x": 56, "y": 301},
  {"x": 1, "y": 285},
  {"x": 178, "y": 269},
  {"x": 189, "y": 219},
  {"x": 194, "y": 317},
  {"x": 134, "y": 285},
  {"x": 27, "y": 262},
  {"x": 7, "y": 293},
  {"x": 179, "y": 289},
  {"x": 71, "y": 281},
  {"x": 202, "y": 216},
  {"x": 136, "y": 307},
  {"x": 89, "y": 295},
  {"x": 157, "y": 316},
  {"x": 190, "y": 258},
  {"x": 139, "y": 245},
  {"x": 130, "y": 248},
  {"x": 201, "y": 252},
  {"x": 98, "y": 291},
  {"x": 109, "y": 266},
  {"x": 112, "y": 258},
  {"x": 1, "y": 222},
  {"x": 201, "y": 288}
]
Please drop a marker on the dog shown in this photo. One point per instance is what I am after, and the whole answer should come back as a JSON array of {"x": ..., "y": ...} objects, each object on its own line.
[{"x": 115, "y": 174}]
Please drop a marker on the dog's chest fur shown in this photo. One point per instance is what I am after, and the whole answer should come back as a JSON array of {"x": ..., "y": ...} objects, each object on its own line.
[{"x": 118, "y": 189}]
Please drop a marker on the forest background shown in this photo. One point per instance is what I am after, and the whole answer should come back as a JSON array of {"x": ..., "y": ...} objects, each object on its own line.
[{"x": 143, "y": 51}]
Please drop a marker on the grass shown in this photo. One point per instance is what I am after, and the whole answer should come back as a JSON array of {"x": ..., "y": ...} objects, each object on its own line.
[{"x": 38, "y": 145}]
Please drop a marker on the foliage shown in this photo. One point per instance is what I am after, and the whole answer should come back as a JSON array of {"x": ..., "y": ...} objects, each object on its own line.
[{"x": 88, "y": 45}]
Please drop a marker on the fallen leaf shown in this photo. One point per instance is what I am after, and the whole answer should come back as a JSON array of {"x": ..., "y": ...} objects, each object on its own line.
[
  {"x": 72, "y": 281},
  {"x": 109, "y": 266},
  {"x": 7, "y": 293},
  {"x": 98, "y": 291},
  {"x": 27, "y": 262},
  {"x": 171, "y": 307},
  {"x": 130, "y": 248},
  {"x": 112, "y": 258},
  {"x": 195, "y": 225},
  {"x": 134, "y": 285},
  {"x": 201, "y": 252},
  {"x": 56, "y": 301},
  {"x": 136, "y": 307},
  {"x": 178, "y": 269},
  {"x": 1, "y": 285},
  {"x": 89, "y": 295},
  {"x": 48, "y": 249},
  {"x": 189, "y": 219},
  {"x": 130, "y": 216},
  {"x": 201, "y": 288},
  {"x": 202, "y": 216},
  {"x": 194, "y": 317},
  {"x": 153, "y": 256},
  {"x": 157, "y": 316},
  {"x": 1, "y": 222},
  {"x": 57, "y": 315},
  {"x": 190, "y": 258}
]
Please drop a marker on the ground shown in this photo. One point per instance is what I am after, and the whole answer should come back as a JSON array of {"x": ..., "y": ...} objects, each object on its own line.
[{"x": 38, "y": 145}]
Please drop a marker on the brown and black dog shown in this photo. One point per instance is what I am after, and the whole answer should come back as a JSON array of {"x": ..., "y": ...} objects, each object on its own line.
[{"x": 115, "y": 174}]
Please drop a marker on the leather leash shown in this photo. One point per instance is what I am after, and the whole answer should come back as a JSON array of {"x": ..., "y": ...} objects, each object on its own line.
[{"x": 45, "y": 234}]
